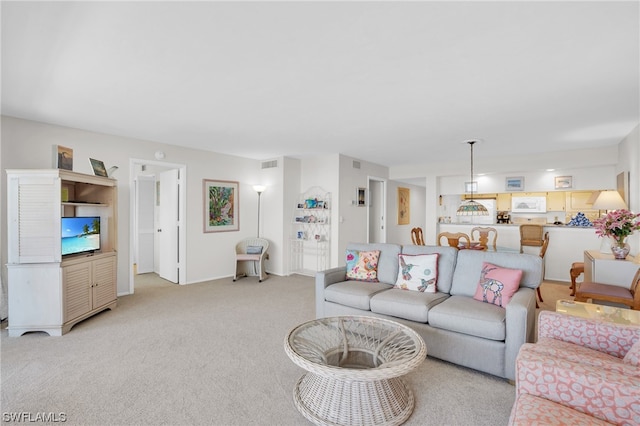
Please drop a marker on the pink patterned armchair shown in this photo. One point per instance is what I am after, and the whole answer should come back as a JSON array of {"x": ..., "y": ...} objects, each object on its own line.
[{"x": 581, "y": 371}]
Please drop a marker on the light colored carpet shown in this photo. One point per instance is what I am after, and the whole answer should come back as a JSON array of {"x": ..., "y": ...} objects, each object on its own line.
[{"x": 209, "y": 353}]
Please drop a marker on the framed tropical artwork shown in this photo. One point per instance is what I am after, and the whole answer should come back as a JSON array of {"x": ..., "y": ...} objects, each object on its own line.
[
  {"x": 404, "y": 205},
  {"x": 221, "y": 205}
]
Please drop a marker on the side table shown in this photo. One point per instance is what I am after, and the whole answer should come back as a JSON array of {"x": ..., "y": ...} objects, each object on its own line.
[{"x": 601, "y": 312}]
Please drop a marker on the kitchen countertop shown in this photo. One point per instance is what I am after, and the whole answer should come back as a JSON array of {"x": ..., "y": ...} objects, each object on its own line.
[{"x": 546, "y": 225}]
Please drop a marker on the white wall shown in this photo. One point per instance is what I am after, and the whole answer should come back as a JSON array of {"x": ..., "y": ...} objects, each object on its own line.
[
  {"x": 28, "y": 144},
  {"x": 629, "y": 161}
]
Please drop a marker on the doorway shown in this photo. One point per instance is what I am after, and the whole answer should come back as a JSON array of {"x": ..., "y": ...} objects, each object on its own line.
[
  {"x": 158, "y": 203},
  {"x": 377, "y": 214}
]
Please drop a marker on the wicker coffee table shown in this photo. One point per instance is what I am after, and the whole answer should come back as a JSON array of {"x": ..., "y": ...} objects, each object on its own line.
[{"x": 353, "y": 368}]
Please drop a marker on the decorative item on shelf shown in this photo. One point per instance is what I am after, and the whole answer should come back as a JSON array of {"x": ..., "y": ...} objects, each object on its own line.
[
  {"x": 62, "y": 157},
  {"x": 98, "y": 167},
  {"x": 579, "y": 220},
  {"x": 470, "y": 207},
  {"x": 617, "y": 225}
]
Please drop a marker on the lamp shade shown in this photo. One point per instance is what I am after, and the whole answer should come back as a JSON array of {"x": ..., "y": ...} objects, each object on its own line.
[
  {"x": 609, "y": 200},
  {"x": 259, "y": 188},
  {"x": 472, "y": 208}
]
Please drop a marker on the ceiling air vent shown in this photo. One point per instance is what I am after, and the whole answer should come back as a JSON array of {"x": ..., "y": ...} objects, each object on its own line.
[
  {"x": 269, "y": 164},
  {"x": 356, "y": 164}
]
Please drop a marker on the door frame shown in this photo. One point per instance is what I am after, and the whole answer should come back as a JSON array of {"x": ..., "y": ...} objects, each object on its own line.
[
  {"x": 135, "y": 163},
  {"x": 383, "y": 207}
]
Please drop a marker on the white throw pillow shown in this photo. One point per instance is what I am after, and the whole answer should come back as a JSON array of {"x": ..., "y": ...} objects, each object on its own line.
[{"x": 417, "y": 272}]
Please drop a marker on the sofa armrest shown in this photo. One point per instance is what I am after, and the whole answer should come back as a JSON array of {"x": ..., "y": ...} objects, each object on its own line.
[
  {"x": 604, "y": 336},
  {"x": 520, "y": 322},
  {"x": 323, "y": 280}
]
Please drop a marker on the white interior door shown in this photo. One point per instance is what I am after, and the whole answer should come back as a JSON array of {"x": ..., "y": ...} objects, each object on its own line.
[
  {"x": 168, "y": 225},
  {"x": 144, "y": 243}
]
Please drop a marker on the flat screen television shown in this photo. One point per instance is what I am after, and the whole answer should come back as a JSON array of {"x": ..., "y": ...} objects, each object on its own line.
[{"x": 80, "y": 235}]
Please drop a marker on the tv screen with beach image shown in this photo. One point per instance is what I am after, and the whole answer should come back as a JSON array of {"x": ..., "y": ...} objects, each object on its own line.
[{"x": 80, "y": 235}]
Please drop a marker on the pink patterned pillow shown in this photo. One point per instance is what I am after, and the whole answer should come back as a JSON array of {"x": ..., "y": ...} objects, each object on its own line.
[
  {"x": 362, "y": 265},
  {"x": 497, "y": 284},
  {"x": 633, "y": 356}
]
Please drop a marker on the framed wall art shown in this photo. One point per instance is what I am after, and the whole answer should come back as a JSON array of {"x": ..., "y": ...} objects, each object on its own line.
[
  {"x": 98, "y": 167},
  {"x": 514, "y": 183},
  {"x": 563, "y": 182},
  {"x": 221, "y": 205},
  {"x": 62, "y": 157},
  {"x": 404, "y": 205},
  {"x": 361, "y": 197}
]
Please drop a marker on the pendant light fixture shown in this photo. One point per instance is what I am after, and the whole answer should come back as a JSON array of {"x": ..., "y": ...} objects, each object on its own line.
[{"x": 470, "y": 207}]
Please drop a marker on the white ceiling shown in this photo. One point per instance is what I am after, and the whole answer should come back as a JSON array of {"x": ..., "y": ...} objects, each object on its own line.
[{"x": 392, "y": 83}]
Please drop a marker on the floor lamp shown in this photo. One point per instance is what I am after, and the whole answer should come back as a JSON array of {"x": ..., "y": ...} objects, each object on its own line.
[{"x": 259, "y": 189}]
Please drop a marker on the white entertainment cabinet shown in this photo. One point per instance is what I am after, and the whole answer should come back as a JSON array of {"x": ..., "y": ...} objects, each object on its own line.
[{"x": 49, "y": 292}]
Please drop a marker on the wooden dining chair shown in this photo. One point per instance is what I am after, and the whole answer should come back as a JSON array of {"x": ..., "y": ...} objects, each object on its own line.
[
  {"x": 454, "y": 238},
  {"x": 531, "y": 235},
  {"x": 543, "y": 251},
  {"x": 486, "y": 236},
  {"x": 416, "y": 236},
  {"x": 611, "y": 293}
]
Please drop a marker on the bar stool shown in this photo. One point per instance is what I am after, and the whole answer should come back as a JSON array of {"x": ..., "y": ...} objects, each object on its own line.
[{"x": 577, "y": 268}]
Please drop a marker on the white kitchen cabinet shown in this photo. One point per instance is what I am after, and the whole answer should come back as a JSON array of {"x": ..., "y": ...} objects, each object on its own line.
[
  {"x": 48, "y": 291},
  {"x": 603, "y": 268}
]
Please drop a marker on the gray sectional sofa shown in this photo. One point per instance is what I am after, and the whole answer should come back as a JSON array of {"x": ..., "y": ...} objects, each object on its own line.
[{"x": 455, "y": 326}]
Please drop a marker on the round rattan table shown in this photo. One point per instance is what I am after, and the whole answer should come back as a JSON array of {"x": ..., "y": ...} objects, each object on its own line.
[{"x": 354, "y": 365}]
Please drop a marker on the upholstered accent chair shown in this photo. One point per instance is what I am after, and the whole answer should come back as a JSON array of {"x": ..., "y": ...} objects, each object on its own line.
[
  {"x": 251, "y": 254},
  {"x": 580, "y": 371}
]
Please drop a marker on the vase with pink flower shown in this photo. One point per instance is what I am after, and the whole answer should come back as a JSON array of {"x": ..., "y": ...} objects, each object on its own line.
[{"x": 618, "y": 225}]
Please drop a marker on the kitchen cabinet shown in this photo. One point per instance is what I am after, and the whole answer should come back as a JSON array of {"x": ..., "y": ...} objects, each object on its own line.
[
  {"x": 577, "y": 200},
  {"x": 503, "y": 202},
  {"x": 531, "y": 194},
  {"x": 489, "y": 196},
  {"x": 556, "y": 201}
]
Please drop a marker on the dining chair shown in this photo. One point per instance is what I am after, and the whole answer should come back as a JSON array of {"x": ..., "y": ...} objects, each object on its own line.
[
  {"x": 611, "y": 293},
  {"x": 531, "y": 235},
  {"x": 454, "y": 238},
  {"x": 543, "y": 251},
  {"x": 416, "y": 236},
  {"x": 486, "y": 236}
]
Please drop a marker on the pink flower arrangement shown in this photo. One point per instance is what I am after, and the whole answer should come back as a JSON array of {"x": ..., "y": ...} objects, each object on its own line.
[{"x": 618, "y": 224}]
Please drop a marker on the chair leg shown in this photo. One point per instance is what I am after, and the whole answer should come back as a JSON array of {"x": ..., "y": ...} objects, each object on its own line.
[{"x": 539, "y": 294}]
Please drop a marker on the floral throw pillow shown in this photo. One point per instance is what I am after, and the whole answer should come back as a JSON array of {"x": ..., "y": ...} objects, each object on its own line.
[
  {"x": 362, "y": 265},
  {"x": 497, "y": 284},
  {"x": 417, "y": 272}
]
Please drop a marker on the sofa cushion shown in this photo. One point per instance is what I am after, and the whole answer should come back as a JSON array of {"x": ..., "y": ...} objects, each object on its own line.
[
  {"x": 599, "y": 392},
  {"x": 497, "y": 285},
  {"x": 356, "y": 294},
  {"x": 633, "y": 356},
  {"x": 469, "y": 265},
  {"x": 362, "y": 265},
  {"x": 534, "y": 410},
  {"x": 446, "y": 262},
  {"x": 410, "y": 305},
  {"x": 388, "y": 261},
  {"x": 417, "y": 272},
  {"x": 465, "y": 315},
  {"x": 577, "y": 353}
]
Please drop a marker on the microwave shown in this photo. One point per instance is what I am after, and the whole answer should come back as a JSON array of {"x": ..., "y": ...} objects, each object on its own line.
[{"x": 528, "y": 204}]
